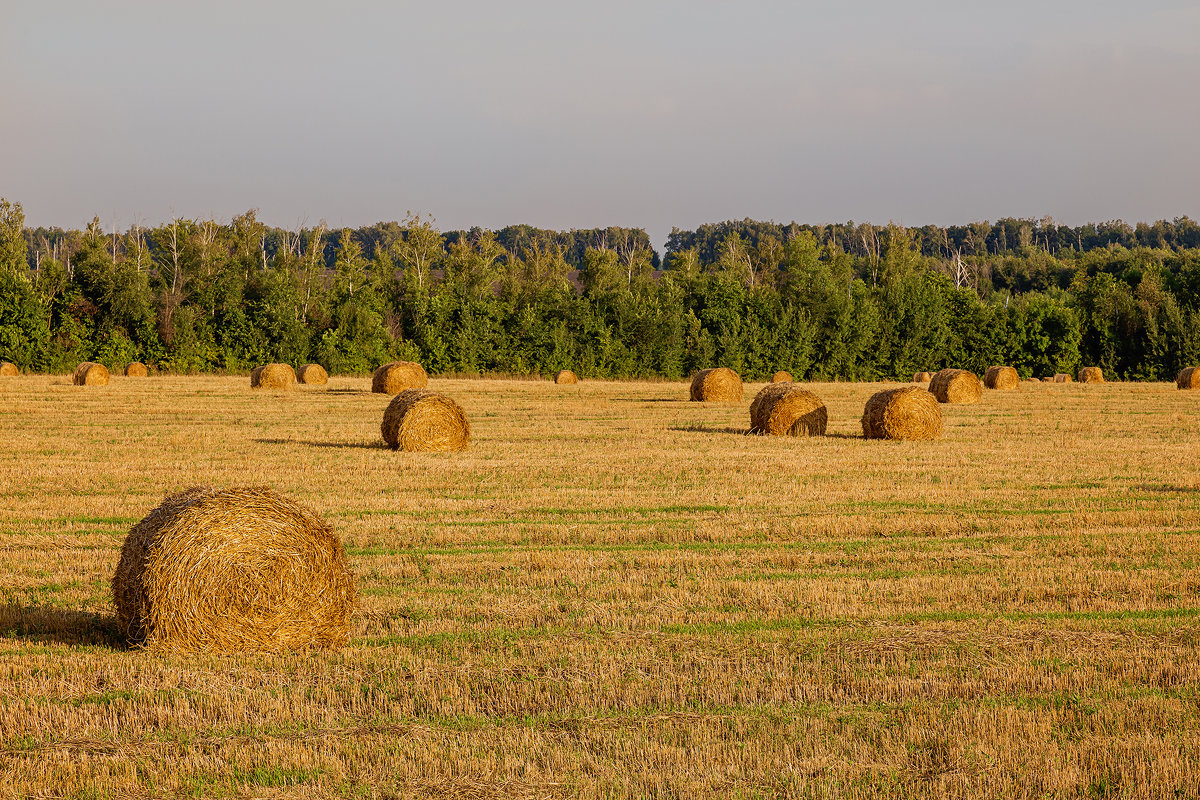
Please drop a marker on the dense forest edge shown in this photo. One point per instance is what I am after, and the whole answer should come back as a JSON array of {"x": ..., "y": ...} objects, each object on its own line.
[{"x": 825, "y": 302}]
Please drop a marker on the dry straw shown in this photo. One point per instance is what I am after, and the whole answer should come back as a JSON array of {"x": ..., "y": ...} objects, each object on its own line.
[
  {"x": 922, "y": 377},
  {"x": 905, "y": 413},
  {"x": 785, "y": 409},
  {"x": 273, "y": 376},
  {"x": 136, "y": 369},
  {"x": 313, "y": 374},
  {"x": 566, "y": 376},
  {"x": 1091, "y": 375},
  {"x": 233, "y": 569},
  {"x": 1188, "y": 378},
  {"x": 717, "y": 385},
  {"x": 783, "y": 376},
  {"x": 91, "y": 374},
  {"x": 1001, "y": 378},
  {"x": 420, "y": 420},
  {"x": 1063, "y": 377},
  {"x": 956, "y": 386},
  {"x": 8, "y": 369},
  {"x": 397, "y": 376}
]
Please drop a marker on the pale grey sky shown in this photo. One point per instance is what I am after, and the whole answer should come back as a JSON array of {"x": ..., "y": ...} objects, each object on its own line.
[{"x": 562, "y": 115}]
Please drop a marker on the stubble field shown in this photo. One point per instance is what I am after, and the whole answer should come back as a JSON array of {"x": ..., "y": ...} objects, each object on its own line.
[{"x": 615, "y": 593}]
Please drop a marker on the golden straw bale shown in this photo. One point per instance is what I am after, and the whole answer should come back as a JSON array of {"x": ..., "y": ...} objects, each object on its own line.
[
  {"x": 313, "y": 374},
  {"x": 1063, "y": 377},
  {"x": 922, "y": 377},
  {"x": 717, "y": 385},
  {"x": 273, "y": 376},
  {"x": 909, "y": 412},
  {"x": 956, "y": 386},
  {"x": 785, "y": 409},
  {"x": 1001, "y": 378},
  {"x": 783, "y": 376},
  {"x": 1188, "y": 378},
  {"x": 566, "y": 376},
  {"x": 91, "y": 374},
  {"x": 397, "y": 376},
  {"x": 233, "y": 569},
  {"x": 8, "y": 369},
  {"x": 420, "y": 420},
  {"x": 1091, "y": 375},
  {"x": 136, "y": 369}
]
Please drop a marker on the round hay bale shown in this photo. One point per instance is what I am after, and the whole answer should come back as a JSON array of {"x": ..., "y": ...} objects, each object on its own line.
[
  {"x": 233, "y": 569},
  {"x": 136, "y": 369},
  {"x": 313, "y": 374},
  {"x": 1091, "y": 375},
  {"x": 91, "y": 374},
  {"x": 956, "y": 386},
  {"x": 1001, "y": 378},
  {"x": 922, "y": 377},
  {"x": 422, "y": 421},
  {"x": 717, "y": 385},
  {"x": 1063, "y": 377},
  {"x": 8, "y": 369},
  {"x": 397, "y": 376},
  {"x": 565, "y": 376},
  {"x": 1188, "y": 378},
  {"x": 273, "y": 376},
  {"x": 905, "y": 413},
  {"x": 785, "y": 409},
  {"x": 783, "y": 376}
]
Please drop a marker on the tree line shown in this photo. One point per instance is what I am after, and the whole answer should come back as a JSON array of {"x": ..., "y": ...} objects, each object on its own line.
[{"x": 843, "y": 301}]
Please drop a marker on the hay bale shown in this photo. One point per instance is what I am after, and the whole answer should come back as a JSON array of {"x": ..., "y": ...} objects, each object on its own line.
[
  {"x": 783, "y": 376},
  {"x": 397, "y": 376},
  {"x": 1188, "y": 378},
  {"x": 956, "y": 386},
  {"x": 136, "y": 369},
  {"x": 422, "y": 421},
  {"x": 233, "y": 569},
  {"x": 1001, "y": 378},
  {"x": 905, "y": 413},
  {"x": 717, "y": 385},
  {"x": 1063, "y": 377},
  {"x": 785, "y": 409},
  {"x": 8, "y": 369},
  {"x": 1091, "y": 375},
  {"x": 565, "y": 376},
  {"x": 313, "y": 374},
  {"x": 273, "y": 376},
  {"x": 922, "y": 377},
  {"x": 90, "y": 373}
]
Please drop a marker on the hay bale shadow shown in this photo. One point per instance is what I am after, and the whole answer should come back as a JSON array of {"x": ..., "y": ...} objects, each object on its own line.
[
  {"x": 62, "y": 625},
  {"x": 380, "y": 445},
  {"x": 708, "y": 429}
]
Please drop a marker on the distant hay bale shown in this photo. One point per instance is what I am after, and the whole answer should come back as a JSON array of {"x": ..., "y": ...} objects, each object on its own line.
[
  {"x": 1091, "y": 375},
  {"x": 909, "y": 412},
  {"x": 1063, "y": 377},
  {"x": 783, "y": 376},
  {"x": 233, "y": 569},
  {"x": 273, "y": 376},
  {"x": 423, "y": 421},
  {"x": 565, "y": 376},
  {"x": 785, "y": 409},
  {"x": 1001, "y": 378},
  {"x": 922, "y": 377},
  {"x": 8, "y": 369},
  {"x": 956, "y": 386},
  {"x": 1188, "y": 378},
  {"x": 1048, "y": 379},
  {"x": 313, "y": 374},
  {"x": 90, "y": 373},
  {"x": 717, "y": 385},
  {"x": 136, "y": 369},
  {"x": 397, "y": 376}
]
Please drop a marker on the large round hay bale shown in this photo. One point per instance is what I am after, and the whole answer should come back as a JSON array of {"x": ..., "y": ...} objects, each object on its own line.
[
  {"x": 136, "y": 369},
  {"x": 1091, "y": 375},
  {"x": 717, "y": 385},
  {"x": 1001, "y": 378},
  {"x": 273, "y": 376},
  {"x": 397, "y": 376},
  {"x": 785, "y": 409},
  {"x": 420, "y": 420},
  {"x": 313, "y": 374},
  {"x": 565, "y": 376},
  {"x": 1188, "y": 378},
  {"x": 922, "y": 377},
  {"x": 90, "y": 373},
  {"x": 909, "y": 412},
  {"x": 783, "y": 376},
  {"x": 8, "y": 369},
  {"x": 1063, "y": 377},
  {"x": 233, "y": 569},
  {"x": 956, "y": 386}
]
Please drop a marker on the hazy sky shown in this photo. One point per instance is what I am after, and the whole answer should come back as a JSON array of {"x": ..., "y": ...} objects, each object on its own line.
[{"x": 562, "y": 115}]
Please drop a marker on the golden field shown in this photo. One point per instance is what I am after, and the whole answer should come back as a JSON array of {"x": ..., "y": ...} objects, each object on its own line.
[{"x": 615, "y": 593}]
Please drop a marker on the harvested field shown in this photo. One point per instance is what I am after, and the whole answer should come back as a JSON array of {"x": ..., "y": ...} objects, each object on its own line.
[{"x": 615, "y": 593}]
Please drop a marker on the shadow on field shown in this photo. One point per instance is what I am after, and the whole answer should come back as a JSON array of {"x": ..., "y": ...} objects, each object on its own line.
[
  {"x": 649, "y": 400},
  {"x": 707, "y": 429},
  {"x": 49, "y": 624},
  {"x": 1167, "y": 489},
  {"x": 347, "y": 391},
  {"x": 340, "y": 445}
]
